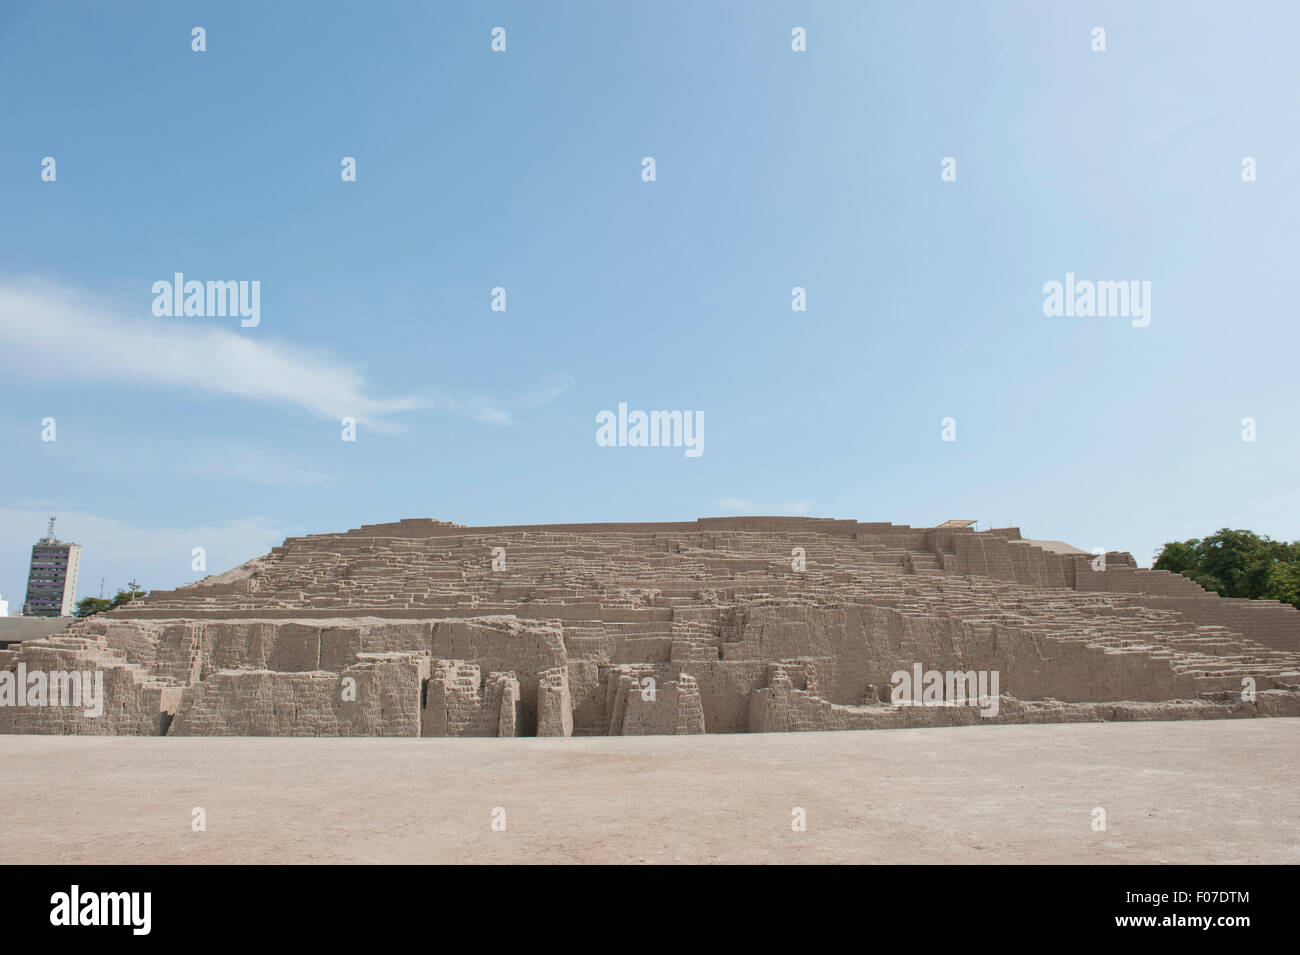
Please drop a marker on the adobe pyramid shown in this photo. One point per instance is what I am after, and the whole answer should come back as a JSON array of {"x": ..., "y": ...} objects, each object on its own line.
[{"x": 424, "y": 628}]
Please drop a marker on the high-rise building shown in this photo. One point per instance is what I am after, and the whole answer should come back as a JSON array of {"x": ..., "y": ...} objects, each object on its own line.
[
  {"x": 52, "y": 579},
  {"x": 4, "y": 608}
]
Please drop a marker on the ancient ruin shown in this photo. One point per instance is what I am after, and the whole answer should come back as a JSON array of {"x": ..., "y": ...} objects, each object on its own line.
[{"x": 721, "y": 625}]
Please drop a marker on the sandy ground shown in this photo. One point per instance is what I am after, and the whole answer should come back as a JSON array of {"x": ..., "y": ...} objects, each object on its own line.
[{"x": 1181, "y": 792}]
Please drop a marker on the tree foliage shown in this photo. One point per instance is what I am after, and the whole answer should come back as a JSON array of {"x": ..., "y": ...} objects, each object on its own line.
[
  {"x": 88, "y": 606},
  {"x": 1236, "y": 563}
]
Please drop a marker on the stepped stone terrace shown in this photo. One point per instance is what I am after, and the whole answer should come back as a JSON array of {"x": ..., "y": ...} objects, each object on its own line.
[{"x": 720, "y": 625}]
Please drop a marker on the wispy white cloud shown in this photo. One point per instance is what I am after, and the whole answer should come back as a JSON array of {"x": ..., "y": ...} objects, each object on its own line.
[
  {"x": 535, "y": 399},
  {"x": 38, "y": 320},
  {"x": 491, "y": 411},
  {"x": 477, "y": 409}
]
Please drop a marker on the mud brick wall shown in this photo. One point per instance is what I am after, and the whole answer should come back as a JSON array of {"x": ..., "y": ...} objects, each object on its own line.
[
  {"x": 132, "y": 706},
  {"x": 554, "y": 705},
  {"x": 1267, "y": 622},
  {"x": 278, "y": 703},
  {"x": 503, "y": 702},
  {"x": 453, "y": 700},
  {"x": 389, "y": 689},
  {"x": 780, "y": 708},
  {"x": 133, "y": 703},
  {"x": 506, "y": 644},
  {"x": 675, "y": 709},
  {"x": 261, "y": 703}
]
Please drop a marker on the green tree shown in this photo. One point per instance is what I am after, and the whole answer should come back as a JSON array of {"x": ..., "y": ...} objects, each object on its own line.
[
  {"x": 87, "y": 606},
  {"x": 1182, "y": 557},
  {"x": 1284, "y": 582},
  {"x": 133, "y": 591},
  {"x": 1237, "y": 563}
]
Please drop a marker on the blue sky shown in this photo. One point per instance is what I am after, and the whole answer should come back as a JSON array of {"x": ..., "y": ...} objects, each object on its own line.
[{"x": 522, "y": 169}]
